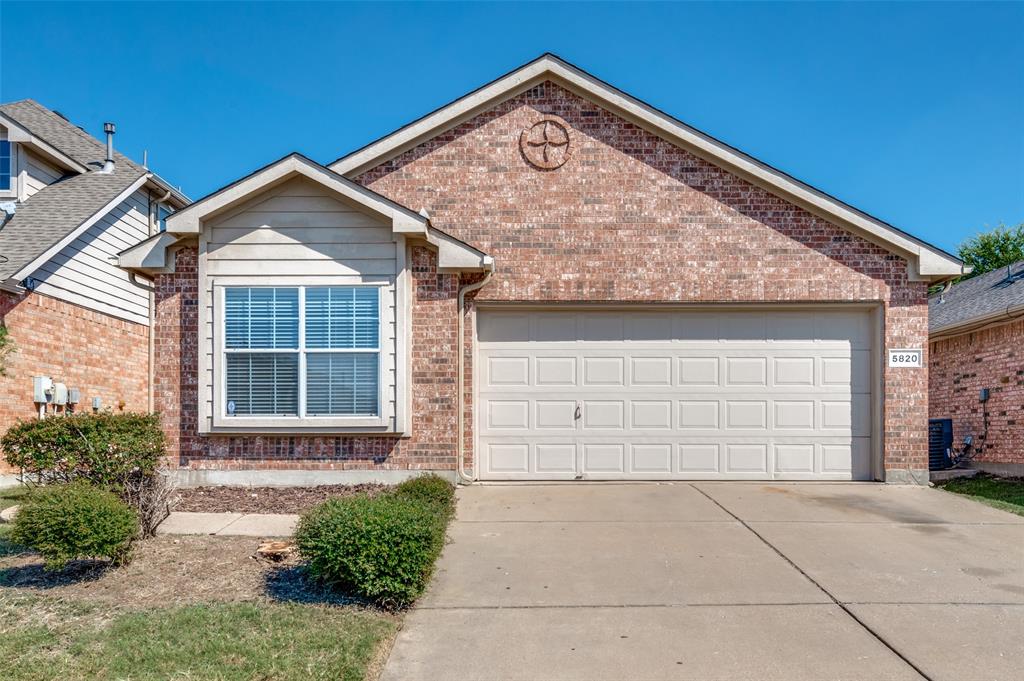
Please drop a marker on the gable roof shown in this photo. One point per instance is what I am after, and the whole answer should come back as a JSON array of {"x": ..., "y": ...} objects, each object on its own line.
[
  {"x": 153, "y": 254},
  {"x": 987, "y": 298},
  {"x": 59, "y": 211},
  {"x": 927, "y": 262},
  {"x": 55, "y": 215},
  {"x": 188, "y": 220}
]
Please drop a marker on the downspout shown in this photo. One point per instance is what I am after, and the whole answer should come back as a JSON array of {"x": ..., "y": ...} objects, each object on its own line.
[
  {"x": 154, "y": 214},
  {"x": 133, "y": 278},
  {"x": 464, "y": 478}
]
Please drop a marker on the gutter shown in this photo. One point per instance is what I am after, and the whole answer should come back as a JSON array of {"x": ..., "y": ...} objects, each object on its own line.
[{"x": 1010, "y": 313}]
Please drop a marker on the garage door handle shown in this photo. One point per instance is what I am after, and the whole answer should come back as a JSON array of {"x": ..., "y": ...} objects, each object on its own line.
[{"x": 578, "y": 413}]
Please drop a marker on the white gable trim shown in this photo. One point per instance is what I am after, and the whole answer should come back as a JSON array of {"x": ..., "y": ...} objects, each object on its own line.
[
  {"x": 189, "y": 220},
  {"x": 155, "y": 255},
  {"x": 926, "y": 261}
]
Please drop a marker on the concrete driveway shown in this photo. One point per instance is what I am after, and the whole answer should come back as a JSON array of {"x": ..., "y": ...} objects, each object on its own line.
[{"x": 720, "y": 581}]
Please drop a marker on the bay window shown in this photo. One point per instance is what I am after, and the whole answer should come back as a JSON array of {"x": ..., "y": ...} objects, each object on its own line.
[{"x": 301, "y": 352}]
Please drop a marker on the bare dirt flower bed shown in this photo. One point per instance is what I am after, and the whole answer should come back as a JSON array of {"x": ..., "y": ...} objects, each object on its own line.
[{"x": 266, "y": 499}]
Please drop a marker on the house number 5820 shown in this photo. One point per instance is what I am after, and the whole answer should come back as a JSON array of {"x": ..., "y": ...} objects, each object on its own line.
[{"x": 905, "y": 358}]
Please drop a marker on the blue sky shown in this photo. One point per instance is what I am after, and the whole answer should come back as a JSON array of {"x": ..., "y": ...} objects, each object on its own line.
[{"x": 911, "y": 112}]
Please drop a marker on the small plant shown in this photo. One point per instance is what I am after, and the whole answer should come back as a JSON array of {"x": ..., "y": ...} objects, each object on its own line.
[
  {"x": 105, "y": 449},
  {"x": 430, "y": 489},
  {"x": 382, "y": 548},
  {"x": 75, "y": 521}
]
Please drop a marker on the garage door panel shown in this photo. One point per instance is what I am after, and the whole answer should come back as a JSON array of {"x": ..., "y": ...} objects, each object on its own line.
[
  {"x": 746, "y": 371},
  {"x": 793, "y": 371},
  {"x": 651, "y": 371},
  {"x": 508, "y": 371},
  {"x": 604, "y": 457},
  {"x": 555, "y": 458},
  {"x": 651, "y": 458},
  {"x": 746, "y": 458},
  {"x": 746, "y": 414},
  {"x": 651, "y": 415},
  {"x": 698, "y": 458},
  {"x": 683, "y": 395},
  {"x": 603, "y": 371},
  {"x": 555, "y": 371},
  {"x": 698, "y": 371},
  {"x": 555, "y": 414},
  {"x": 505, "y": 414},
  {"x": 603, "y": 415}
]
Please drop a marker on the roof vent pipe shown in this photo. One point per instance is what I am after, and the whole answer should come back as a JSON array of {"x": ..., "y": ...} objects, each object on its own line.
[{"x": 108, "y": 162}]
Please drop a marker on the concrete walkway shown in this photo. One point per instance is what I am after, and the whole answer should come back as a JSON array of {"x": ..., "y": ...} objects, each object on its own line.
[
  {"x": 230, "y": 524},
  {"x": 721, "y": 581}
]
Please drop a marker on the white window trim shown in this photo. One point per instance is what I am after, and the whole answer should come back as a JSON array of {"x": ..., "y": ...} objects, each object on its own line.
[{"x": 315, "y": 423}]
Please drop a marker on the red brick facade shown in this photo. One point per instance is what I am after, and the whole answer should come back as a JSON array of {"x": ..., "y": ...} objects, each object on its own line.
[
  {"x": 431, "y": 447},
  {"x": 629, "y": 218},
  {"x": 960, "y": 367},
  {"x": 100, "y": 355}
]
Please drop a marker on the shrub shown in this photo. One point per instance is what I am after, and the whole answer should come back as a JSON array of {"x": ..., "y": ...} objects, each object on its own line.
[
  {"x": 382, "y": 548},
  {"x": 74, "y": 521},
  {"x": 104, "y": 449},
  {"x": 430, "y": 489},
  {"x": 152, "y": 496}
]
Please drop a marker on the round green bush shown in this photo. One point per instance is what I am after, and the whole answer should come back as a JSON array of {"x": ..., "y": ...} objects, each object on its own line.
[
  {"x": 429, "y": 489},
  {"x": 75, "y": 521},
  {"x": 382, "y": 548},
  {"x": 105, "y": 449}
]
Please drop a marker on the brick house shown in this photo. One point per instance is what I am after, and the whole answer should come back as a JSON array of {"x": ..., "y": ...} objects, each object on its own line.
[
  {"x": 69, "y": 206},
  {"x": 976, "y": 378},
  {"x": 545, "y": 279}
]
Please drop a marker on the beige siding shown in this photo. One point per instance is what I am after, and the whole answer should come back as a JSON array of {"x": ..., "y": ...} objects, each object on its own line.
[
  {"x": 297, "y": 233},
  {"x": 36, "y": 173},
  {"x": 84, "y": 273}
]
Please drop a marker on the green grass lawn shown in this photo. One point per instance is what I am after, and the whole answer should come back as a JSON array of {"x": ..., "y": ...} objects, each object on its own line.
[
  {"x": 1002, "y": 493},
  {"x": 11, "y": 496},
  {"x": 43, "y": 638}
]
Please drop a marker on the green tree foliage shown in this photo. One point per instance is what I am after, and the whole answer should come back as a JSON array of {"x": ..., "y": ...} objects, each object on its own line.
[{"x": 988, "y": 251}]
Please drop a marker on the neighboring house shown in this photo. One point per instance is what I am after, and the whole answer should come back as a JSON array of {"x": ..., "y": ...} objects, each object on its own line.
[
  {"x": 976, "y": 343},
  {"x": 641, "y": 301},
  {"x": 73, "y": 315}
]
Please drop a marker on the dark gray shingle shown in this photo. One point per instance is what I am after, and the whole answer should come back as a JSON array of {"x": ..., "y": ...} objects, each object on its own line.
[
  {"x": 54, "y": 212},
  {"x": 62, "y": 135},
  {"x": 976, "y": 298}
]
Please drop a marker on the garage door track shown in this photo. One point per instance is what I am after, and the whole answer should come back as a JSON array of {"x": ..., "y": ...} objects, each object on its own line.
[{"x": 720, "y": 581}]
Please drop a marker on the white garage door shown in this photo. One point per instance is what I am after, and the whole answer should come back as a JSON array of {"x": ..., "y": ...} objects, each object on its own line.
[{"x": 745, "y": 395}]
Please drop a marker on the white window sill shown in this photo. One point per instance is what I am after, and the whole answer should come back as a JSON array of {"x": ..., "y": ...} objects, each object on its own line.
[{"x": 244, "y": 424}]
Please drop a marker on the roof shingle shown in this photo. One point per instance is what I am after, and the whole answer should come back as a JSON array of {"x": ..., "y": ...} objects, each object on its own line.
[{"x": 977, "y": 298}]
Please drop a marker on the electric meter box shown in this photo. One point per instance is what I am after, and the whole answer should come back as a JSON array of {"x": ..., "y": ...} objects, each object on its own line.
[
  {"x": 42, "y": 389},
  {"x": 74, "y": 395},
  {"x": 60, "y": 394}
]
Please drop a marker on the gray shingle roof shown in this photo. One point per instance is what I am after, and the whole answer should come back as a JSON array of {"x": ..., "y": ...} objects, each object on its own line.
[
  {"x": 62, "y": 134},
  {"x": 976, "y": 298},
  {"x": 55, "y": 211}
]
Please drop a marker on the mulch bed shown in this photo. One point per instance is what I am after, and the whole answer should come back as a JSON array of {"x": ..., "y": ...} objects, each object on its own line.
[{"x": 266, "y": 499}]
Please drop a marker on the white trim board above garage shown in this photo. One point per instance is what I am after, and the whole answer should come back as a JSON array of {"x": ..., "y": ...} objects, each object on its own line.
[{"x": 926, "y": 262}]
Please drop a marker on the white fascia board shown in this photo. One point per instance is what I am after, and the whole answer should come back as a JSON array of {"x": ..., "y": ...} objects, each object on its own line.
[
  {"x": 17, "y": 133},
  {"x": 455, "y": 255},
  {"x": 189, "y": 220},
  {"x": 926, "y": 261},
  {"x": 74, "y": 234}
]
